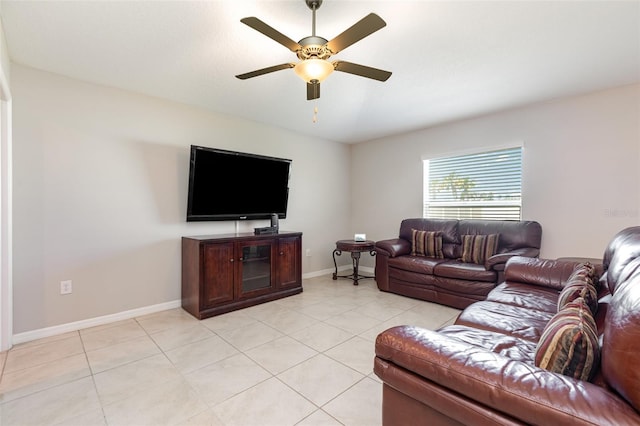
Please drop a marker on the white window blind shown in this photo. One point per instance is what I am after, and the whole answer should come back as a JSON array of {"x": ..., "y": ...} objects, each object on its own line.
[{"x": 486, "y": 186}]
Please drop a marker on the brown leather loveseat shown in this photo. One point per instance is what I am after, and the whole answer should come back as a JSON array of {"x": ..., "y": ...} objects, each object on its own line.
[
  {"x": 487, "y": 368},
  {"x": 447, "y": 277}
]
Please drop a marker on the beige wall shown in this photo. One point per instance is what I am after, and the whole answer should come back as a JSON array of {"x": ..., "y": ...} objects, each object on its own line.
[
  {"x": 581, "y": 177},
  {"x": 100, "y": 188},
  {"x": 100, "y": 179}
]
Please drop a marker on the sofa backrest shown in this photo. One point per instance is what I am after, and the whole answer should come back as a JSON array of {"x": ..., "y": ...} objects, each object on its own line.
[
  {"x": 513, "y": 234},
  {"x": 547, "y": 273},
  {"x": 448, "y": 227},
  {"x": 620, "y": 355},
  {"x": 623, "y": 248}
]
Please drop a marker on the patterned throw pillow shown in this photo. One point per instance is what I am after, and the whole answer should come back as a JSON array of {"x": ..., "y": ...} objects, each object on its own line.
[
  {"x": 426, "y": 243},
  {"x": 585, "y": 271},
  {"x": 478, "y": 248},
  {"x": 579, "y": 287},
  {"x": 569, "y": 343}
]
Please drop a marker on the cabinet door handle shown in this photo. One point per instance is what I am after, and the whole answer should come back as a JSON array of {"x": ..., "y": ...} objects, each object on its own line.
[
  {"x": 281, "y": 253},
  {"x": 231, "y": 260},
  {"x": 241, "y": 259}
]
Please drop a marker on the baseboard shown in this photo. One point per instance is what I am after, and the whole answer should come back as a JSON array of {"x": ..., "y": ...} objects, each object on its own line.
[
  {"x": 27, "y": 336},
  {"x": 321, "y": 272},
  {"x": 342, "y": 268}
]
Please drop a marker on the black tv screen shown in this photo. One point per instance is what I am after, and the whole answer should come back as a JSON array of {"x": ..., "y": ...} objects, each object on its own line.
[{"x": 229, "y": 185}]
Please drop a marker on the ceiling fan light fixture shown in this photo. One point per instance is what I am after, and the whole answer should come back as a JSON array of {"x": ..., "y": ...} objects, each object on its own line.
[
  {"x": 313, "y": 69},
  {"x": 313, "y": 51}
]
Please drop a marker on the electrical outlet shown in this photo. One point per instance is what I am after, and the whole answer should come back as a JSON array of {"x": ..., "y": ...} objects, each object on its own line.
[
  {"x": 308, "y": 253},
  {"x": 66, "y": 287}
]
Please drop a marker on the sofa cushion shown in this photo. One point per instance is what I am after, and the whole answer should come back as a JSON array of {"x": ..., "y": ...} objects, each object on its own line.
[
  {"x": 464, "y": 271},
  {"x": 477, "y": 290},
  {"x": 415, "y": 279},
  {"x": 505, "y": 345},
  {"x": 419, "y": 264},
  {"x": 515, "y": 321},
  {"x": 569, "y": 343},
  {"x": 426, "y": 243},
  {"x": 478, "y": 248},
  {"x": 525, "y": 295}
]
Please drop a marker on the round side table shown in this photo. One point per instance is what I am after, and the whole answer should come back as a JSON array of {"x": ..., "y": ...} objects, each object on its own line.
[{"x": 355, "y": 248}]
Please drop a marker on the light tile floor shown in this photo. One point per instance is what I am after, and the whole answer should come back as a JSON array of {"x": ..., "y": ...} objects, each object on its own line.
[{"x": 303, "y": 360}]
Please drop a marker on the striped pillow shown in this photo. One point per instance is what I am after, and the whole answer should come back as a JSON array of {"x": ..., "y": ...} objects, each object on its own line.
[
  {"x": 585, "y": 270},
  {"x": 426, "y": 243},
  {"x": 579, "y": 286},
  {"x": 569, "y": 343},
  {"x": 478, "y": 248}
]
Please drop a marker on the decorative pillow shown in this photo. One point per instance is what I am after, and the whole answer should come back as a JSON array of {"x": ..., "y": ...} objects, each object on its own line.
[
  {"x": 586, "y": 271},
  {"x": 569, "y": 343},
  {"x": 426, "y": 243},
  {"x": 478, "y": 248},
  {"x": 579, "y": 286}
]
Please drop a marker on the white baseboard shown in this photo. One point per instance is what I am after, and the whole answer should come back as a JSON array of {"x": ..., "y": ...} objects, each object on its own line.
[
  {"x": 322, "y": 272},
  {"x": 27, "y": 336},
  {"x": 342, "y": 268}
]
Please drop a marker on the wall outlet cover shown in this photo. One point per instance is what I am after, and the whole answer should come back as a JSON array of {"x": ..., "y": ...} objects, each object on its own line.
[{"x": 66, "y": 287}]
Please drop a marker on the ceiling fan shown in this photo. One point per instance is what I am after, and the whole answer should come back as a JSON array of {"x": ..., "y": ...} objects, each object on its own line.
[{"x": 313, "y": 51}]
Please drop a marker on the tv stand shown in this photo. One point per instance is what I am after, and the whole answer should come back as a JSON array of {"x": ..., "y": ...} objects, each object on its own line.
[{"x": 223, "y": 273}]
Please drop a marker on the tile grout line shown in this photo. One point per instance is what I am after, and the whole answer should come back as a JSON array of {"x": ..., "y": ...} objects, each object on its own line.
[{"x": 264, "y": 318}]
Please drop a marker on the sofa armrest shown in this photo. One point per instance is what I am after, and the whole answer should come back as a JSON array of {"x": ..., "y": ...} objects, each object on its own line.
[
  {"x": 394, "y": 247},
  {"x": 520, "y": 390},
  {"x": 498, "y": 261}
]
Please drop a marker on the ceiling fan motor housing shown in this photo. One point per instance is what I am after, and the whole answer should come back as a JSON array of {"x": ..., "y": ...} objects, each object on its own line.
[{"x": 313, "y": 47}]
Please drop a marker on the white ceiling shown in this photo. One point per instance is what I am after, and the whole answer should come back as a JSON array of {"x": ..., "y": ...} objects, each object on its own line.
[{"x": 450, "y": 59}]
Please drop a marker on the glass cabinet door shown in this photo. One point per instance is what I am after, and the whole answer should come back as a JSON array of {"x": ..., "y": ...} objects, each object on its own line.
[{"x": 255, "y": 273}]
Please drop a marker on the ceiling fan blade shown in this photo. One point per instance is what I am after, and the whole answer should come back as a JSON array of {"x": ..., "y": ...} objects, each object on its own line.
[
  {"x": 364, "y": 27},
  {"x": 361, "y": 70},
  {"x": 271, "y": 32},
  {"x": 313, "y": 90},
  {"x": 264, "y": 71}
]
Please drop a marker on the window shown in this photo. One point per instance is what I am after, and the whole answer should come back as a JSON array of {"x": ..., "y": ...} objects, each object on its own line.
[{"x": 487, "y": 185}]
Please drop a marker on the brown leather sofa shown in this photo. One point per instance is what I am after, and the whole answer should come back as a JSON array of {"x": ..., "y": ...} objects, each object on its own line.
[
  {"x": 481, "y": 370},
  {"x": 448, "y": 280}
]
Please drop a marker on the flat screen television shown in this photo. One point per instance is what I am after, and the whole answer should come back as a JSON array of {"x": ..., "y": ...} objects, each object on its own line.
[{"x": 230, "y": 185}]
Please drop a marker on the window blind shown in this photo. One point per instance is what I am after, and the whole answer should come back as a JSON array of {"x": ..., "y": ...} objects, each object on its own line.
[{"x": 486, "y": 186}]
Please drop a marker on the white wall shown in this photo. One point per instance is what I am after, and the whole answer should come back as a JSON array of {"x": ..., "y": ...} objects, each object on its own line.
[
  {"x": 100, "y": 187},
  {"x": 6, "y": 313},
  {"x": 581, "y": 170}
]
